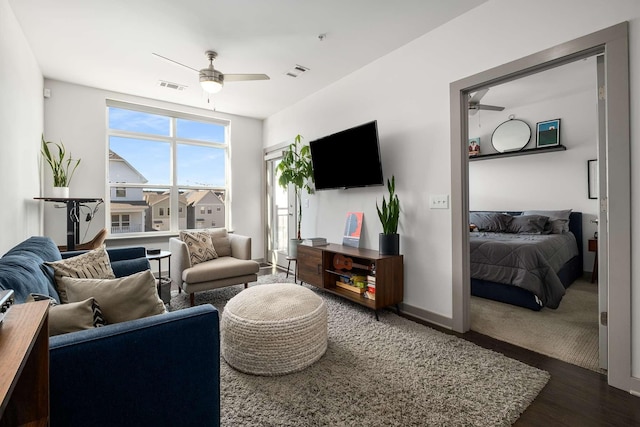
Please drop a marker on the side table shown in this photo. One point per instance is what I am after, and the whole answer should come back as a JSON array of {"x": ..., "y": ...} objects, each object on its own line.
[{"x": 159, "y": 257}]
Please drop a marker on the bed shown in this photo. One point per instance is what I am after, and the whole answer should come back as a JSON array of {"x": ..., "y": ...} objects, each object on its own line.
[{"x": 525, "y": 258}]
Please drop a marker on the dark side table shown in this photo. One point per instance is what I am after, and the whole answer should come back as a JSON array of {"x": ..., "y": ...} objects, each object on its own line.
[{"x": 159, "y": 257}]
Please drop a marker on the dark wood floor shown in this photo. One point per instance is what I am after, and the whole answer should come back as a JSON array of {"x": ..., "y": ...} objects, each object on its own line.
[{"x": 574, "y": 396}]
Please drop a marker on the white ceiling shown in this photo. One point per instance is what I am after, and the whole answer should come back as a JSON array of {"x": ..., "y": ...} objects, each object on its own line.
[{"x": 108, "y": 44}]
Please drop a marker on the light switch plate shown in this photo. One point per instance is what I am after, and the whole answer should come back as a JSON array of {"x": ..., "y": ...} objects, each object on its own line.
[{"x": 439, "y": 201}]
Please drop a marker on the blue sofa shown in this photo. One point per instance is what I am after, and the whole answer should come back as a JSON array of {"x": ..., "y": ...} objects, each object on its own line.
[{"x": 157, "y": 371}]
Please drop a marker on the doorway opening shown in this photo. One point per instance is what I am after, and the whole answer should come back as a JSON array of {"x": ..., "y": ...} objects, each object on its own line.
[
  {"x": 614, "y": 204},
  {"x": 548, "y": 180}
]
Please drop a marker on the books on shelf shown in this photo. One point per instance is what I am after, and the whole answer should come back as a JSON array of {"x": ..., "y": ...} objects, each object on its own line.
[
  {"x": 370, "y": 295},
  {"x": 350, "y": 287},
  {"x": 315, "y": 241},
  {"x": 371, "y": 279}
]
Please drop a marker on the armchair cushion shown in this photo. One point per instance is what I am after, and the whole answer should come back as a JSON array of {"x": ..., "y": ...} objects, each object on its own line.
[
  {"x": 221, "y": 268},
  {"x": 220, "y": 240},
  {"x": 126, "y": 298}
]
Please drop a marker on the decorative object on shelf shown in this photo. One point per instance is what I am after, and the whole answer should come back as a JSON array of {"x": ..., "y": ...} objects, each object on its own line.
[
  {"x": 512, "y": 135},
  {"x": 389, "y": 240},
  {"x": 62, "y": 168},
  {"x": 352, "y": 229},
  {"x": 474, "y": 147},
  {"x": 592, "y": 178},
  {"x": 548, "y": 133},
  {"x": 296, "y": 169}
]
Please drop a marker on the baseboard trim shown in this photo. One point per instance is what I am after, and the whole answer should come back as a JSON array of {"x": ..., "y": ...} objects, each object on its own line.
[{"x": 426, "y": 316}]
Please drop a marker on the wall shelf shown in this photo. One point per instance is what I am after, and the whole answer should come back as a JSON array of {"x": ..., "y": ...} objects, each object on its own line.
[{"x": 518, "y": 153}]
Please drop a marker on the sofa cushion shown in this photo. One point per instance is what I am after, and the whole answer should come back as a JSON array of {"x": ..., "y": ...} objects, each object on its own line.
[
  {"x": 38, "y": 249},
  {"x": 221, "y": 268},
  {"x": 220, "y": 240},
  {"x": 199, "y": 246},
  {"x": 23, "y": 274},
  {"x": 122, "y": 299}
]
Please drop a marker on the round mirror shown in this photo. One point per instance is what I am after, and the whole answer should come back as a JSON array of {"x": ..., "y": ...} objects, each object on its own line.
[{"x": 511, "y": 135}]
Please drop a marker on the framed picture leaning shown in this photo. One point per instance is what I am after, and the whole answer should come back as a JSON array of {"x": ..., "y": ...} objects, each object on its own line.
[{"x": 548, "y": 133}]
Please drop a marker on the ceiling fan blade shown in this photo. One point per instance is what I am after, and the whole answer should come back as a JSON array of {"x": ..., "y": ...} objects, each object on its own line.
[
  {"x": 244, "y": 77},
  {"x": 478, "y": 96},
  {"x": 175, "y": 62},
  {"x": 489, "y": 107}
]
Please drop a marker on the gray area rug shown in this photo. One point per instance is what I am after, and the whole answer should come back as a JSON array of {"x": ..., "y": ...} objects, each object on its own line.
[
  {"x": 569, "y": 333},
  {"x": 388, "y": 373}
]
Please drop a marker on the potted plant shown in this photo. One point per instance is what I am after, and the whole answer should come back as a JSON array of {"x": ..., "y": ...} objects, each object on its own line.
[
  {"x": 389, "y": 240},
  {"x": 62, "y": 167},
  {"x": 296, "y": 169}
]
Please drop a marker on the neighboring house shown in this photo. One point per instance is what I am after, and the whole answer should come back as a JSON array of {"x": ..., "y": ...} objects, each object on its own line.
[
  {"x": 205, "y": 209},
  {"x": 128, "y": 207},
  {"x": 158, "y": 218}
]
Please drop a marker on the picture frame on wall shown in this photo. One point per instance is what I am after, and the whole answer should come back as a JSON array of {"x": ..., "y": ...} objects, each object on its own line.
[
  {"x": 592, "y": 178},
  {"x": 548, "y": 133}
]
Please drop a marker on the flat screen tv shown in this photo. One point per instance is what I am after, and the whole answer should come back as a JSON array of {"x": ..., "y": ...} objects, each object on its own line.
[{"x": 350, "y": 158}]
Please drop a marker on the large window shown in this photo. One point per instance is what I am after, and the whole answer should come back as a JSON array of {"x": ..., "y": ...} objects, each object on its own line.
[{"x": 161, "y": 163}]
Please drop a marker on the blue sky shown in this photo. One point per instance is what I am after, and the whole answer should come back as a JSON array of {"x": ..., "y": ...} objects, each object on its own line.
[{"x": 197, "y": 165}]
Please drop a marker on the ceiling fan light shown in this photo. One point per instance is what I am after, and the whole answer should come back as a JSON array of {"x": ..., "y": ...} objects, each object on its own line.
[
  {"x": 211, "y": 86},
  {"x": 211, "y": 80}
]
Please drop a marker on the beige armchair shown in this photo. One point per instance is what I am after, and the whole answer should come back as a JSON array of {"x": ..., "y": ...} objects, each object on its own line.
[{"x": 232, "y": 267}]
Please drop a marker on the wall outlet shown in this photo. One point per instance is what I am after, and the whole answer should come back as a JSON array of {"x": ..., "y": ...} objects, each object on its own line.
[{"x": 439, "y": 202}]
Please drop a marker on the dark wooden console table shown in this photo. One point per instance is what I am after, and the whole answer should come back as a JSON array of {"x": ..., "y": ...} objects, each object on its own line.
[
  {"x": 73, "y": 216},
  {"x": 24, "y": 383},
  {"x": 316, "y": 267}
]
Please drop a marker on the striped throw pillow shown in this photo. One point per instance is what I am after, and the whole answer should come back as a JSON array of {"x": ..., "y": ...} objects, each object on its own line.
[{"x": 94, "y": 264}]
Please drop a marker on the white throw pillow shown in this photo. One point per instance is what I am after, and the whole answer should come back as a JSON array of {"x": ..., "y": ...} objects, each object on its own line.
[{"x": 199, "y": 246}]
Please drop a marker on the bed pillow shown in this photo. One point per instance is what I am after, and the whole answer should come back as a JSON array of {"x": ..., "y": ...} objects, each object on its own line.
[
  {"x": 490, "y": 221},
  {"x": 558, "y": 220},
  {"x": 528, "y": 224},
  {"x": 126, "y": 298}
]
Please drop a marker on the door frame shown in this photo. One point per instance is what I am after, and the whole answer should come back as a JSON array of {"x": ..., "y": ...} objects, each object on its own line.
[
  {"x": 613, "y": 43},
  {"x": 270, "y": 154}
]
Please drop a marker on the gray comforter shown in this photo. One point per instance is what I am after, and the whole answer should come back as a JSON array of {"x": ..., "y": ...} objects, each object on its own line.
[{"x": 529, "y": 261}]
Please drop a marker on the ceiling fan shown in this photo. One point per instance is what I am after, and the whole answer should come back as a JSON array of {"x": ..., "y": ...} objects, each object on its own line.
[
  {"x": 474, "y": 103},
  {"x": 211, "y": 79}
]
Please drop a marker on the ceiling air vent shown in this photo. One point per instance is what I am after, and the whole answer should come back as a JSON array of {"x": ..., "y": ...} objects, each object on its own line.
[
  {"x": 297, "y": 71},
  {"x": 174, "y": 86}
]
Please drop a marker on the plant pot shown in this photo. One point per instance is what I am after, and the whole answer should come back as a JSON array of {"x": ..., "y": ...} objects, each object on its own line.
[
  {"x": 59, "y": 192},
  {"x": 293, "y": 248},
  {"x": 389, "y": 244}
]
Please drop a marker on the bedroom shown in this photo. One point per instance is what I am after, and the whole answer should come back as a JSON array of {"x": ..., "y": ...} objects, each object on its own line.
[{"x": 550, "y": 181}]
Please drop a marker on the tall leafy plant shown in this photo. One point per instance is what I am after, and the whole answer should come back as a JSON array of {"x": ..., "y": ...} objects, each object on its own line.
[
  {"x": 296, "y": 169},
  {"x": 390, "y": 212},
  {"x": 62, "y": 167}
]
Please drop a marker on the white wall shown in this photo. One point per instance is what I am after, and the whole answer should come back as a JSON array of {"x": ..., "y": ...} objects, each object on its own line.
[
  {"x": 21, "y": 124},
  {"x": 407, "y": 91},
  {"x": 556, "y": 180},
  {"x": 77, "y": 115}
]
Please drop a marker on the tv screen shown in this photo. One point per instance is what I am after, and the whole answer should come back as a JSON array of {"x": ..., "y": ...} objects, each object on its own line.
[{"x": 350, "y": 158}]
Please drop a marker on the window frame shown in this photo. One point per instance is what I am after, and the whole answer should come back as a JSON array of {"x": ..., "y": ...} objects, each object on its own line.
[{"x": 174, "y": 141}]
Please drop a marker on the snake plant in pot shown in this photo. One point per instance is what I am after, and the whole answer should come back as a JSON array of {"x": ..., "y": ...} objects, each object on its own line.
[
  {"x": 389, "y": 240},
  {"x": 296, "y": 169},
  {"x": 62, "y": 167}
]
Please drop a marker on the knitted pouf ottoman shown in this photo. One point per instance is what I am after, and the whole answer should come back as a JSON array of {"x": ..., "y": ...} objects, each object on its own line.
[{"x": 274, "y": 329}]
